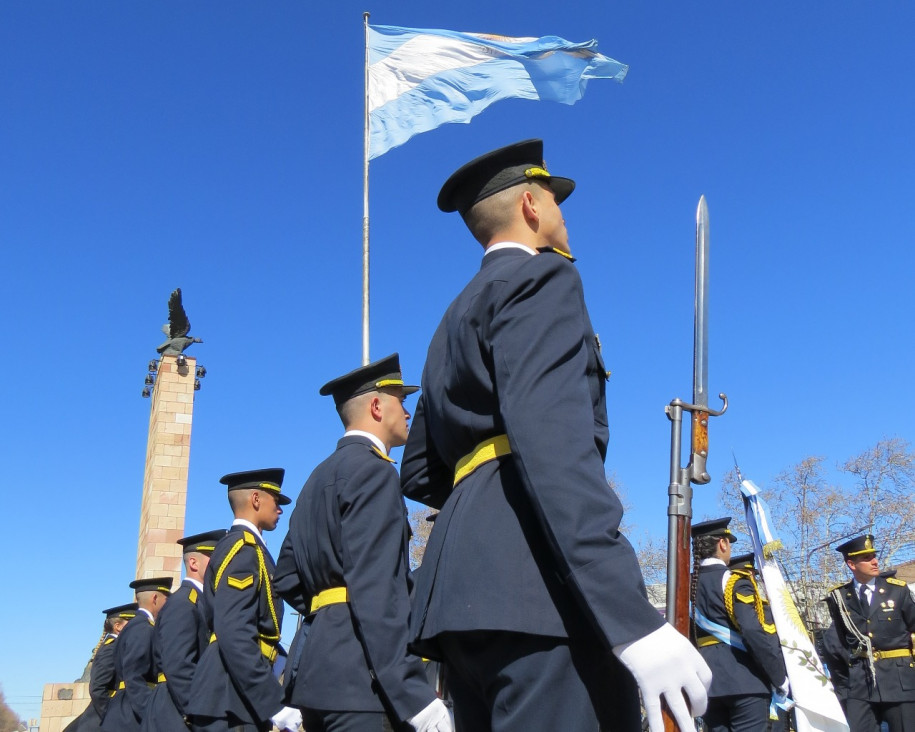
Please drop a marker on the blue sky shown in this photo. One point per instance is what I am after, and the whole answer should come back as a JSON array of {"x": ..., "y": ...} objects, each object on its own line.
[{"x": 217, "y": 146}]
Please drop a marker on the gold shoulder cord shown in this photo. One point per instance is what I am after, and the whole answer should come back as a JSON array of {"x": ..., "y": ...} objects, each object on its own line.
[
  {"x": 737, "y": 575},
  {"x": 264, "y": 577},
  {"x": 225, "y": 562}
]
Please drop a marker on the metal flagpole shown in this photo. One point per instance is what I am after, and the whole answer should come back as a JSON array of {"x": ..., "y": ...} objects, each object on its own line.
[{"x": 365, "y": 206}]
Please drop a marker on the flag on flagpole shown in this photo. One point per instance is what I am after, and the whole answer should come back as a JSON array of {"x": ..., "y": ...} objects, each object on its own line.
[
  {"x": 817, "y": 708},
  {"x": 420, "y": 79}
]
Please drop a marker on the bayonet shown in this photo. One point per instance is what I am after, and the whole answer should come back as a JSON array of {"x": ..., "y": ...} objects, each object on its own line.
[{"x": 680, "y": 492}]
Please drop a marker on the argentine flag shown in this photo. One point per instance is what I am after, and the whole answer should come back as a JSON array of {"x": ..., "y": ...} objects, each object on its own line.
[
  {"x": 818, "y": 709},
  {"x": 420, "y": 79}
]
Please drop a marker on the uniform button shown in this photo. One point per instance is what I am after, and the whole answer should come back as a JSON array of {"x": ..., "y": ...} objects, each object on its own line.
[{"x": 870, "y": 635}]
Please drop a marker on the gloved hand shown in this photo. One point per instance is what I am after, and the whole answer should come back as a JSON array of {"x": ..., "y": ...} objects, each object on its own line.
[
  {"x": 434, "y": 718},
  {"x": 781, "y": 697},
  {"x": 288, "y": 718},
  {"x": 665, "y": 665}
]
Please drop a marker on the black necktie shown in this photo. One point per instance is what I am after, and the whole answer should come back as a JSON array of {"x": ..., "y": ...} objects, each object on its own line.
[{"x": 862, "y": 596}]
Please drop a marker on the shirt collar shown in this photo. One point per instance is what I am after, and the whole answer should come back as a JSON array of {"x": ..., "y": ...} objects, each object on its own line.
[
  {"x": 197, "y": 583},
  {"x": 508, "y": 245},
  {"x": 871, "y": 585},
  {"x": 374, "y": 438},
  {"x": 144, "y": 610},
  {"x": 251, "y": 527},
  {"x": 712, "y": 561}
]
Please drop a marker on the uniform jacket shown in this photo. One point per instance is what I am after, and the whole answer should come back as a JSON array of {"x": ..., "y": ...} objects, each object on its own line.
[
  {"x": 135, "y": 666},
  {"x": 529, "y": 542},
  {"x": 102, "y": 681},
  {"x": 837, "y": 659},
  {"x": 349, "y": 529},
  {"x": 181, "y": 637},
  {"x": 888, "y": 621},
  {"x": 761, "y": 667},
  {"x": 241, "y": 608}
]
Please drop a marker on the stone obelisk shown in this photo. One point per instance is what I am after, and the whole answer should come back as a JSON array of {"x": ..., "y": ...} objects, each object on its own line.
[{"x": 168, "y": 452}]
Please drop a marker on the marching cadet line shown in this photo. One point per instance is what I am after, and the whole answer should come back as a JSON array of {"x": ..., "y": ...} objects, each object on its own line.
[{"x": 529, "y": 597}]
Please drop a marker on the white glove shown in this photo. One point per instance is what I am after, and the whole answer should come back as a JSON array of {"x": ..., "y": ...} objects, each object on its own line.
[
  {"x": 782, "y": 698},
  {"x": 434, "y": 718},
  {"x": 665, "y": 664},
  {"x": 288, "y": 718}
]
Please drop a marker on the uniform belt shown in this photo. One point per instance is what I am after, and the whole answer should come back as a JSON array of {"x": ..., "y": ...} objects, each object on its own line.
[
  {"x": 330, "y": 596},
  {"x": 268, "y": 649},
  {"x": 150, "y": 684},
  {"x": 894, "y": 653},
  {"x": 491, "y": 449},
  {"x": 706, "y": 640}
]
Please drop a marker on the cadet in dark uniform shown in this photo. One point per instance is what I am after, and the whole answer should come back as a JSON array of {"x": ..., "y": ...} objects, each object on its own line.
[
  {"x": 135, "y": 663},
  {"x": 527, "y": 584},
  {"x": 234, "y": 687},
  {"x": 875, "y": 617},
  {"x": 102, "y": 677},
  {"x": 345, "y": 565},
  {"x": 181, "y": 637},
  {"x": 734, "y": 636},
  {"x": 837, "y": 659}
]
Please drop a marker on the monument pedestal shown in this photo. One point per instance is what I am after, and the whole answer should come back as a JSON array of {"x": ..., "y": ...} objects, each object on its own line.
[{"x": 168, "y": 451}]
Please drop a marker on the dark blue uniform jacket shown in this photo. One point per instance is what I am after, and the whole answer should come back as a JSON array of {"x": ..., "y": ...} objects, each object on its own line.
[
  {"x": 529, "y": 542},
  {"x": 135, "y": 666},
  {"x": 102, "y": 681},
  {"x": 889, "y": 620},
  {"x": 349, "y": 529},
  {"x": 233, "y": 676},
  {"x": 181, "y": 637},
  {"x": 761, "y": 667}
]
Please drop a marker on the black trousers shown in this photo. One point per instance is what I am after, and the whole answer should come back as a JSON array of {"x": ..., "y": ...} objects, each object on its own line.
[
  {"x": 739, "y": 713},
  {"x": 514, "y": 682},
  {"x": 320, "y": 720},
  {"x": 865, "y": 716},
  {"x": 201, "y": 724}
]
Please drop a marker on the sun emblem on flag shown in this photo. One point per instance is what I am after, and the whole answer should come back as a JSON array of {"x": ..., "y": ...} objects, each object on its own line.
[{"x": 790, "y": 610}]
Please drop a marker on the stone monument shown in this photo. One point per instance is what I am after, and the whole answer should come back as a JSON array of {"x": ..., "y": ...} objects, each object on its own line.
[{"x": 171, "y": 382}]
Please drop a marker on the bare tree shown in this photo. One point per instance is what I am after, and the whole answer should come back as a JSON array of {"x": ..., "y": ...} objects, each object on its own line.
[
  {"x": 811, "y": 515},
  {"x": 9, "y": 720},
  {"x": 882, "y": 500},
  {"x": 421, "y": 527}
]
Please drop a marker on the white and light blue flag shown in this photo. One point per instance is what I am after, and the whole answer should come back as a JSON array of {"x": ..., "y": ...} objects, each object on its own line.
[
  {"x": 420, "y": 79},
  {"x": 817, "y": 708}
]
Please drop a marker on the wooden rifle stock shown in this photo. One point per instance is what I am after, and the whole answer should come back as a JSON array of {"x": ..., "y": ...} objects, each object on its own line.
[{"x": 680, "y": 619}]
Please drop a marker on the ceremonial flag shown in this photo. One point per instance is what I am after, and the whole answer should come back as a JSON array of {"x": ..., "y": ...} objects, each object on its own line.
[
  {"x": 817, "y": 708},
  {"x": 420, "y": 79}
]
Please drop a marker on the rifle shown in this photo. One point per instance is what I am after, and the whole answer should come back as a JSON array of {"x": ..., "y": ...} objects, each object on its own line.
[{"x": 680, "y": 492}]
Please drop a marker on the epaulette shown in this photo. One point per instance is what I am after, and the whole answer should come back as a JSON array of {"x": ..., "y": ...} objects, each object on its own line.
[
  {"x": 837, "y": 587},
  {"x": 192, "y": 596},
  {"x": 380, "y": 454},
  {"x": 110, "y": 640},
  {"x": 896, "y": 581},
  {"x": 554, "y": 250}
]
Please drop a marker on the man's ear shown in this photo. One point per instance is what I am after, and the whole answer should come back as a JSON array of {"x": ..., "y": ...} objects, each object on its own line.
[
  {"x": 375, "y": 407},
  {"x": 529, "y": 207}
]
